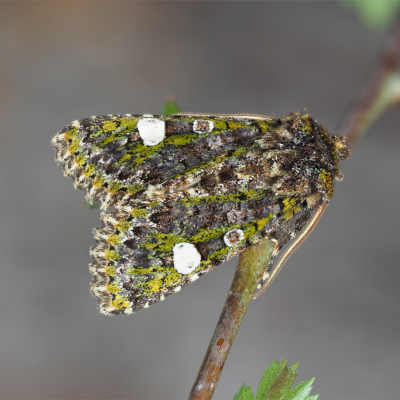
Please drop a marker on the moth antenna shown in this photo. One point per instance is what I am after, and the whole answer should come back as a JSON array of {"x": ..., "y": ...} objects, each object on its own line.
[{"x": 292, "y": 248}]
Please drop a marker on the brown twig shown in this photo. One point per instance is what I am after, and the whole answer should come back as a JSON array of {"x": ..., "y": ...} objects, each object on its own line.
[
  {"x": 252, "y": 263},
  {"x": 382, "y": 92}
]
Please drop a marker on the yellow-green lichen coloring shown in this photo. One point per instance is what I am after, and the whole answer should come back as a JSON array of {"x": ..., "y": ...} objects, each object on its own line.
[
  {"x": 120, "y": 302},
  {"x": 124, "y": 159},
  {"x": 160, "y": 277},
  {"x": 172, "y": 278},
  {"x": 80, "y": 160},
  {"x": 109, "y": 125},
  {"x": 140, "y": 271},
  {"x": 135, "y": 188},
  {"x": 326, "y": 181},
  {"x": 288, "y": 203},
  {"x": 290, "y": 208},
  {"x": 90, "y": 169},
  {"x": 123, "y": 226},
  {"x": 153, "y": 286},
  {"x": 113, "y": 288},
  {"x": 165, "y": 242},
  {"x": 112, "y": 255},
  {"x": 264, "y": 221},
  {"x": 240, "y": 196},
  {"x": 74, "y": 146},
  {"x": 200, "y": 167},
  {"x": 237, "y": 125},
  {"x": 265, "y": 126},
  {"x": 114, "y": 187},
  {"x": 114, "y": 240},
  {"x": 143, "y": 152},
  {"x": 139, "y": 212},
  {"x": 219, "y": 125},
  {"x": 98, "y": 180},
  {"x": 71, "y": 134},
  {"x": 217, "y": 255},
  {"x": 110, "y": 139},
  {"x": 110, "y": 270},
  {"x": 305, "y": 124}
]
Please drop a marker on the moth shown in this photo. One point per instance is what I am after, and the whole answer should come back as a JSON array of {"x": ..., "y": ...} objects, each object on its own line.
[{"x": 183, "y": 193}]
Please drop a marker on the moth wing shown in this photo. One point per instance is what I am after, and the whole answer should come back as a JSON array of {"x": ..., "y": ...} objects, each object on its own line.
[
  {"x": 118, "y": 159},
  {"x": 187, "y": 197},
  {"x": 150, "y": 252}
]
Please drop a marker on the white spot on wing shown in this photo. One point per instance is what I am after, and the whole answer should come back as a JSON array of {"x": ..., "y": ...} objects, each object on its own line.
[
  {"x": 186, "y": 258},
  {"x": 151, "y": 130},
  {"x": 203, "y": 126},
  {"x": 233, "y": 237}
]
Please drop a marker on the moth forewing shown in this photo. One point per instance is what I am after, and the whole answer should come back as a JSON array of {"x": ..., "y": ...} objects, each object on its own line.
[{"x": 190, "y": 191}]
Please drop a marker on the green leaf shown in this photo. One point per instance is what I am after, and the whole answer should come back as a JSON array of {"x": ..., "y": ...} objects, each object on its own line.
[
  {"x": 244, "y": 393},
  {"x": 283, "y": 384},
  {"x": 276, "y": 384},
  {"x": 301, "y": 391},
  {"x": 374, "y": 13},
  {"x": 170, "y": 107},
  {"x": 271, "y": 374}
]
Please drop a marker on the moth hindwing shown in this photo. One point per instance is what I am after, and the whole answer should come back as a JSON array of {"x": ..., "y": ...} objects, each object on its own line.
[{"x": 184, "y": 193}]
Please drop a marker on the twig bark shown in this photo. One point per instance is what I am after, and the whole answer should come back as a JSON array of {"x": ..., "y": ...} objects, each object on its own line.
[
  {"x": 382, "y": 91},
  {"x": 252, "y": 264}
]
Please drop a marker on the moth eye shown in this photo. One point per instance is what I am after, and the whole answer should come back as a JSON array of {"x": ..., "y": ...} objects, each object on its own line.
[
  {"x": 186, "y": 258},
  {"x": 203, "y": 126},
  {"x": 151, "y": 130},
  {"x": 233, "y": 237}
]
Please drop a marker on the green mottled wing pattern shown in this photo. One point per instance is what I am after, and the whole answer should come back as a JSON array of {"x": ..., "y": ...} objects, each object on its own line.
[
  {"x": 134, "y": 262},
  {"x": 107, "y": 158},
  {"x": 191, "y": 191}
]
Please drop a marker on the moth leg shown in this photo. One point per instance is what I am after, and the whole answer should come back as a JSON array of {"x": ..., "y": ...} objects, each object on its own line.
[{"x": 293, "y": 246}]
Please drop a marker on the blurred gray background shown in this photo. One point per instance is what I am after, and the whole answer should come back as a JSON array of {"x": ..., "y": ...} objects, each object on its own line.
[{"x": 334, "y": 307}]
